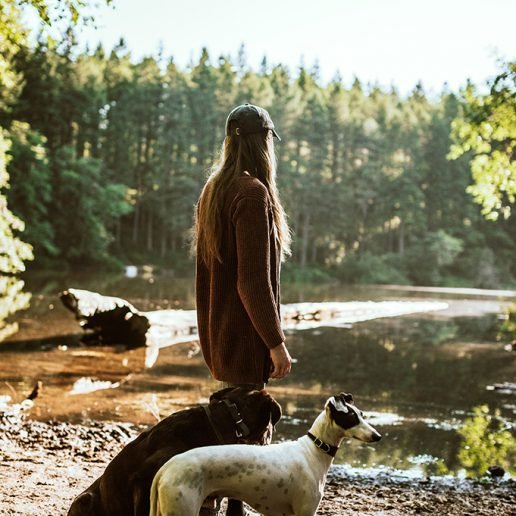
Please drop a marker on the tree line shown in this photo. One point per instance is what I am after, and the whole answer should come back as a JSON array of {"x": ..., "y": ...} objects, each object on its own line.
[{"x": 108, "y": 156}]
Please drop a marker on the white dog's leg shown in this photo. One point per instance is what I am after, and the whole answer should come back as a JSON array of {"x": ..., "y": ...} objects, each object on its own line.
[
  {"x": 306, "y": 504},
  {"x": 176, "y": 492},
  {"x": 178, "y": 501},
  {"x": 154, "y": 496}
]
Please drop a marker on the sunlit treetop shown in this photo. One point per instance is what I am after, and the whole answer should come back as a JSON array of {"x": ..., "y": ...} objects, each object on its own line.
[{"x": 486, "y": 131}]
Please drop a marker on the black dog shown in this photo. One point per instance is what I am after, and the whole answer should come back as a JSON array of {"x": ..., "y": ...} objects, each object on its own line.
[{"x": 234, "y": 415}]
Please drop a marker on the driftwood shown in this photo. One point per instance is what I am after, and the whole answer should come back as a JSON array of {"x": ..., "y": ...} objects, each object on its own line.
[{"x": 110, "y": 320}]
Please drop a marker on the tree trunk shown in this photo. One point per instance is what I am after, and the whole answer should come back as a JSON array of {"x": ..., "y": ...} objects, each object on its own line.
[
  {"x": 163, "y": 241},
  {"x": 150, "y": 220},
  {"x": 401, "y": 239},
  {"x": 334, "y": 158},
  {"x": 314, "y": 251},
  {"x": 305, "y": 236},
  {"x": 118, "y": 233},
  {"x": 136, "y": 223}
]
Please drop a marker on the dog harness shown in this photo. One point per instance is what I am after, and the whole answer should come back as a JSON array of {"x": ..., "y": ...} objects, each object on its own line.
[
  {"x": 325, "y": 447},
  {"x": 242, "y": 430}
]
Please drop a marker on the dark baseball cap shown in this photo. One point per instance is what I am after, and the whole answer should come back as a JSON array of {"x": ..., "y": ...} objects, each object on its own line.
[{"x": 250, "y": 119}]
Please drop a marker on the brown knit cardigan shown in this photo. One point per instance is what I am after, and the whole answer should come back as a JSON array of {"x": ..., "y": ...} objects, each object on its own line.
[{"x": 238, "y": 300}]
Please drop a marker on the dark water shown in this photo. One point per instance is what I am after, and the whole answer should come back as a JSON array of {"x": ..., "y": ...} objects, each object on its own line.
[{"x": 422, "y": 380}]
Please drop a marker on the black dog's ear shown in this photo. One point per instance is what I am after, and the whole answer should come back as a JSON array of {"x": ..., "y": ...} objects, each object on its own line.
[
  {"x": 83, "y": 504},
  {"x": 219, "y": 395},
  {"x": 347, "y": 397},
  {"x": 275, "y": 411}
]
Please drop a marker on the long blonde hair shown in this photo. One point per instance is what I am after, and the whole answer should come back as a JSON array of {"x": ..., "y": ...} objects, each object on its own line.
[{"x": 251, "y": 153}]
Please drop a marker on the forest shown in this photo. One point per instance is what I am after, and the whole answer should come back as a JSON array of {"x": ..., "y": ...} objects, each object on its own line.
[{"x": 107, "y": 156}]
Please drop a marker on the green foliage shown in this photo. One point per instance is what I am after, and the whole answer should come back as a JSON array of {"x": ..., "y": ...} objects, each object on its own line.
[
  {"x": 13, "y": 39},
  {"x": 426, "y": 261},
  {"x": 292, "y": 273},
  {"x": 91, "y": 207},
  {"x": 13, "y": 252},
  {"x": 508, "y": 325},
  {"x": 368, "y": 268},
  {"x": 31, "y": 187},
  {"x": 64, "y": 13},
  {"x": 486, "y": 442},
  {"x": 12, "y": 299},
  {"x": 452, "y": 281},
  {"x": 486, "y": 130},
  {"x": 436, "y": 468}
]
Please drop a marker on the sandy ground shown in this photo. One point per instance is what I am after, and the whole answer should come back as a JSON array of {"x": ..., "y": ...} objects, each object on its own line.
[{"x": 44, "y": 465}]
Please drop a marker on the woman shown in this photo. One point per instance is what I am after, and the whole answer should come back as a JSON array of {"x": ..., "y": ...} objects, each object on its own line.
[{"x": 241, "y": 235}]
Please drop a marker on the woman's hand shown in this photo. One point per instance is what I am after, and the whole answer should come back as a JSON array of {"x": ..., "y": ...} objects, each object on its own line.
[{"x": 281, "y": 361}]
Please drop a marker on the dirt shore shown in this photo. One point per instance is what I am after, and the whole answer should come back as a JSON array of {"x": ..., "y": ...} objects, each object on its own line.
[{"x": 44, "y": 465}]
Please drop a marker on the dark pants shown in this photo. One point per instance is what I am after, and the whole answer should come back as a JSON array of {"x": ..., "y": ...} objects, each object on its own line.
[{"x": 250, "y": 386}]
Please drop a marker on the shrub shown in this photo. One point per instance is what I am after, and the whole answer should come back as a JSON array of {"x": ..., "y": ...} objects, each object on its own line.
[{"x": 368, "y": 268}]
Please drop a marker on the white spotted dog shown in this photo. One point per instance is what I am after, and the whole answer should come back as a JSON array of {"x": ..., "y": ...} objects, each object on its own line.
[{"x": 286, "y": 478}]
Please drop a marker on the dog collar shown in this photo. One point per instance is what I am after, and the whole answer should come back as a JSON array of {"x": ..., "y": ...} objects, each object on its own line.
[
  {"x": 242, "y": 430},
  {"x": 325, "y": 447}
]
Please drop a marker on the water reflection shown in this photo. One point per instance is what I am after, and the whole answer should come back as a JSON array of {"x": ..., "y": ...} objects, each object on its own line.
[
  {"x": 12, "y": 299},
  {"x": 486, "y": 442},
  {"x": 403, "y": 362}
]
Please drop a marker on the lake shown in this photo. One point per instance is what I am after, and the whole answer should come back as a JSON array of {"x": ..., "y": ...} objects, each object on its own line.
[{"x": 436, "y": 384}]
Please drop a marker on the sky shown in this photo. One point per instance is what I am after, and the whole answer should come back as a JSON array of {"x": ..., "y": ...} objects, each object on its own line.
[{"x": 390, "y": 42}]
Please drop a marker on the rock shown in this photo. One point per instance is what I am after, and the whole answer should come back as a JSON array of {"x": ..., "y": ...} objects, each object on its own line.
[{"x": 495, "y": 471}]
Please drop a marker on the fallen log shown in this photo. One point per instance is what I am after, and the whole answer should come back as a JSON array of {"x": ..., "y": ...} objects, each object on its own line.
[{"x": 110, "y": 320}]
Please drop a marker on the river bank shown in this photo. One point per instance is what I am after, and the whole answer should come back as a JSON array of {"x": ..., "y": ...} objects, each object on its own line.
[{"x": 44, "y": 465}]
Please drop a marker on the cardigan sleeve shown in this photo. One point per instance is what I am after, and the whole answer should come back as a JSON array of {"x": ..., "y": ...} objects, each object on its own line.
[{"x": 252, "y": 231}]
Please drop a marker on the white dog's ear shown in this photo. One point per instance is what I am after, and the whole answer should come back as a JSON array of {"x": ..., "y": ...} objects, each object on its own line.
[
  {"x": 335, "y": 404},
  {"x": 347, "y": 397}
]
